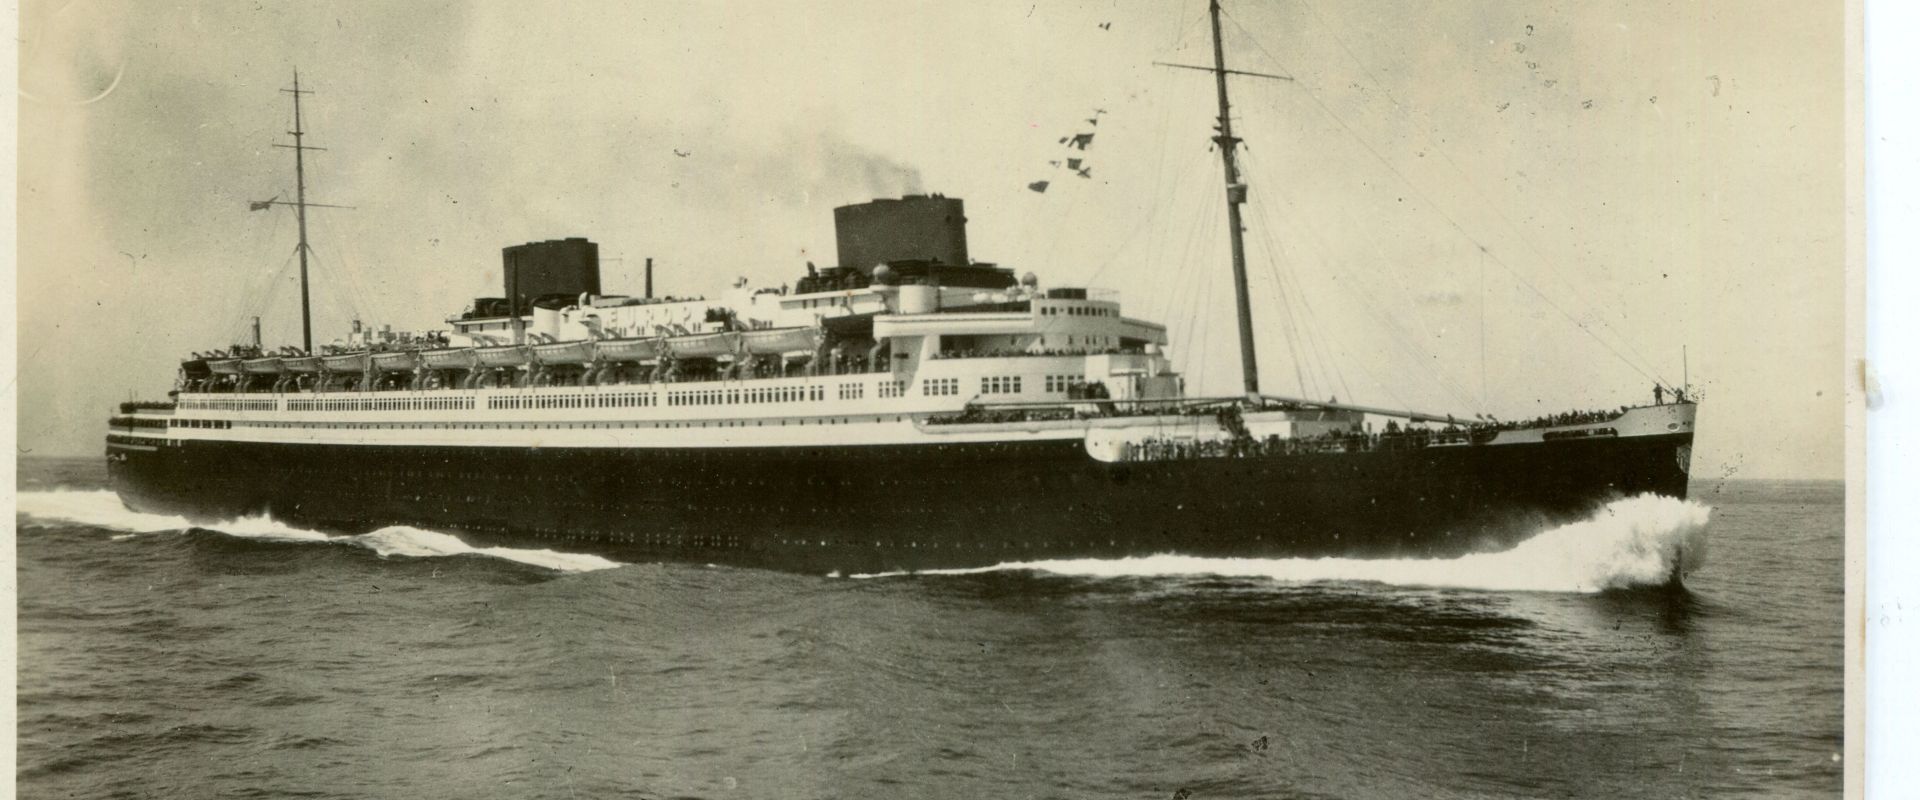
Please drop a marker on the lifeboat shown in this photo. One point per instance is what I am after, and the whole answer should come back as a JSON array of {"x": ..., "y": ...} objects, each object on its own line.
[
  {"x": 627, "y": 349},
  {"x": 397, "y": 361},
  {"x": 564, "y": 353},
  {"x": 511, "y": 355},
  {"x": 450, "y": 358},
  {"x": 261, "y": 366},
  {"x": 224, "y": 366},
  {"x": 349, "y": 362},
  {"x": 775, "y": 341},
  {"x": 305, "y": 365},
  {"x": 706, "y": 345}
]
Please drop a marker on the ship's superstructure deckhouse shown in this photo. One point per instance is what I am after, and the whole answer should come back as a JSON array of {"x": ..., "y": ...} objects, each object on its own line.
[
  {"x": 849, "y": 354},
  {"x": 908, "y": 350}
]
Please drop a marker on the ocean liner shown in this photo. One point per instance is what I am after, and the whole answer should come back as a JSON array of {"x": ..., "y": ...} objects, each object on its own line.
[{"x": 909, "y": 408}]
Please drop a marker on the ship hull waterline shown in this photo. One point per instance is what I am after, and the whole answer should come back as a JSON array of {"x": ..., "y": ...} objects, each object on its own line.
[{"x": 883, "y": 508}]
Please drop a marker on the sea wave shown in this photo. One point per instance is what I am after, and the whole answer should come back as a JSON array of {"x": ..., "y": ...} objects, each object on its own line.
[
  {"x": 1632, "y": 542},
  {"x": 103, "y": 509}
]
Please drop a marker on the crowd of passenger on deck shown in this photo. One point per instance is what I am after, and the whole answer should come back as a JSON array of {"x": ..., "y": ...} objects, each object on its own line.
[
  {"x": 1549, "y": 420},
  {"x": 1164, "y": 448},
  {"x": 1239, "y": 442}
]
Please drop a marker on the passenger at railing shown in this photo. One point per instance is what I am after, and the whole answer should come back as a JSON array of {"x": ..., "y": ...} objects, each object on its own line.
[{"x": 1659, "y": 395}]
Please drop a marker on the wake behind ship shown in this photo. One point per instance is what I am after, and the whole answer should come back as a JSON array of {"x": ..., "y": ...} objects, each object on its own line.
[{"x": 909, "y": 408}]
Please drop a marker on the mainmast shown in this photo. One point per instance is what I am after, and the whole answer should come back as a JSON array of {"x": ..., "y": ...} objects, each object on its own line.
[
  {"x": 300, "y": 212},
  {"x": 1236, "y": 195}
]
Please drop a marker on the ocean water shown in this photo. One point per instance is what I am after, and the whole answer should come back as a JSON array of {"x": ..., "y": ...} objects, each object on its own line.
[{"x": 252, "y": 659}]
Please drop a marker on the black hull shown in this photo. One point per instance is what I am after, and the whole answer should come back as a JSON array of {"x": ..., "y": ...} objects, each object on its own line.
[{"x": 883, "y": 508}]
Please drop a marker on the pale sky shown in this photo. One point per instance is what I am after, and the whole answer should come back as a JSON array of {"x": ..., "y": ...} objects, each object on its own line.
[{"x": 1663, "y": 175}]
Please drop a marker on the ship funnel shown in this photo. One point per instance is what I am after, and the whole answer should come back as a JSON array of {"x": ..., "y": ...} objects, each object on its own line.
[{"x": 913, "y": 228}]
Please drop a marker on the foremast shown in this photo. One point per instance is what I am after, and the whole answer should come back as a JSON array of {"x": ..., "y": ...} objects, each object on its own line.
[
  {"x": 1236, "y": 195},
  {"x": 300, "y": 211}
]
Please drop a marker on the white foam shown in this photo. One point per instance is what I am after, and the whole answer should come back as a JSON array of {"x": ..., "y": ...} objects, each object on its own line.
[
  {"x": 1628, "y": 543},
  {"x": 103, "y": 509},
  {"x": 99, "y": 509},
  {"x": 401, "y": 540}
]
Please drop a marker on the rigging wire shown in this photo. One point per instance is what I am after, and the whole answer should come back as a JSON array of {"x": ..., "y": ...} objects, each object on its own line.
[
  {"x": 1165, "y": 306},
  {"x": 240, "y": 329},
  {"x": 1455, "y": 224},
  {"x": 358, "y": 297},
  {"x": 1327, "y": 352},
  {"x": 335, "y": 297},
  {"x": 1146, "y": 224},
  {"x": 249, "y": 300},
  {"x": 257, "y": 296},
  {"x": 1161, "y": 192},
  {"x": 1302, "y": 333},
  {"x": 1157, "y": 203},
  {"x": 1290, "y": 329},
  {"x": 1396, "y": 332},
  {"x": 1466, "y": 177},
  {"x": 1319, "y": 356},
  {"x": 1190, "y": 294},
  {"x": 1267, "y": 215},
  {"x": 1205, "y": 331}
]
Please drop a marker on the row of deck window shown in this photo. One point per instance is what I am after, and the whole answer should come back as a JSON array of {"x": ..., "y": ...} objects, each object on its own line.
[
  {"x": 606, "y": 400},
  {"x": 227, "y": 404},
  {"x": 379, "y": 404},
  {"x": 1079, "y": 311},
  {"x": 770, "y": 394},
  {"x": 1000, "y": 384},
  {"x": 513, "y": 426},
  {"x": 930, "y": 387}
]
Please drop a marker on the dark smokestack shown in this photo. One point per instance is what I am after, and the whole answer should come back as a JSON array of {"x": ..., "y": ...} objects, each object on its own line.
[
  {"x": 568, "y": 267},
  {"x": 649, "y": 278},
  {"x": 912, "y": 228}
]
